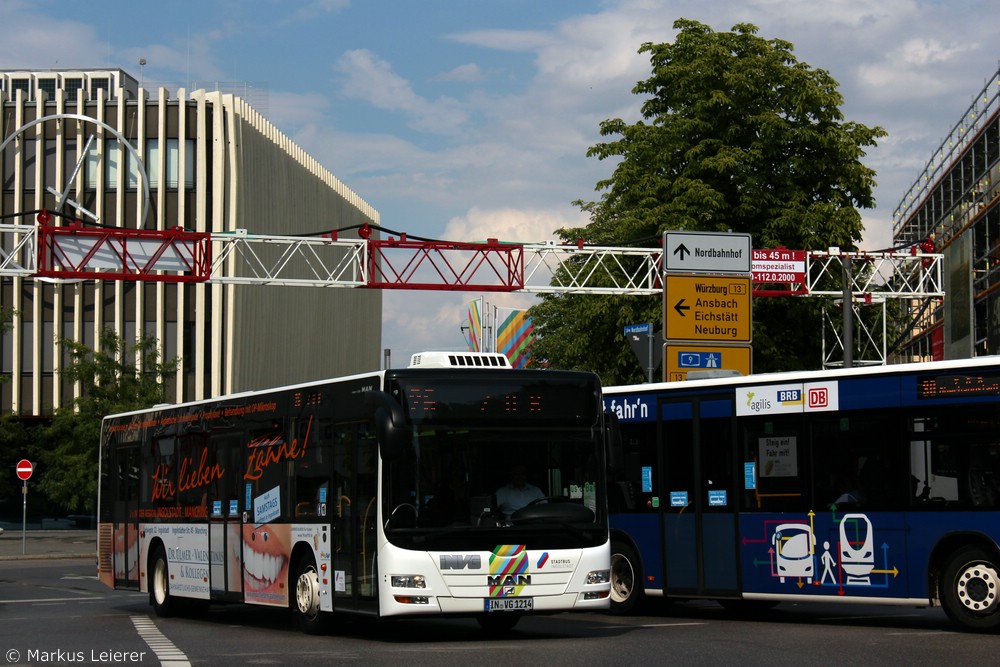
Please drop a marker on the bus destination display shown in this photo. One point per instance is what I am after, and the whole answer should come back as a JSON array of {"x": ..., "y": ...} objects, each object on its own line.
[{"x": 954, "y": 385}]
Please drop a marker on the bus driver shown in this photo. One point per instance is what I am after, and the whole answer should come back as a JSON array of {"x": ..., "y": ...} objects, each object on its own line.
[{"x": 518, "y": 493}]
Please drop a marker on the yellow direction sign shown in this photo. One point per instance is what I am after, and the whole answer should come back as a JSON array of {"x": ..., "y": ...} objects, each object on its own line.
[
  {"x": 707, "y": 308},
  {"x": 679, "y": 359}
]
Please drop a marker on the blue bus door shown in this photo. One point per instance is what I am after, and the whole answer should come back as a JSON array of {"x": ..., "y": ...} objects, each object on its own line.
[{"x": 700, "y": 485}]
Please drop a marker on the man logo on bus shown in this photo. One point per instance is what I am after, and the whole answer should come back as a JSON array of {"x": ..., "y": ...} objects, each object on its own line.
[{"x": 819, "y": 397}]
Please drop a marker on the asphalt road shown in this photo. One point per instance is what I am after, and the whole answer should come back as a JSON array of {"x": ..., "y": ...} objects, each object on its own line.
[{"x": 51, "y": 605}]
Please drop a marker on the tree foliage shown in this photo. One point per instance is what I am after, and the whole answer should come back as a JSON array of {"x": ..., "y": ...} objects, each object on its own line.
[
  {"x": 736, "y": 135},
  {"x": 116, "y": 377}
]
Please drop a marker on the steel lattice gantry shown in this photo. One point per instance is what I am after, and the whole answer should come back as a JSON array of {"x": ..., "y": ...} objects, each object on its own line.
[{"x": 73, "y": 252}]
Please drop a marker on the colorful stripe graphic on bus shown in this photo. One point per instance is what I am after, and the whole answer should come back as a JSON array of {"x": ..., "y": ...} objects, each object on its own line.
[
  {"x": 508, "y": 570},
  {"x": 816, "y": 553}
]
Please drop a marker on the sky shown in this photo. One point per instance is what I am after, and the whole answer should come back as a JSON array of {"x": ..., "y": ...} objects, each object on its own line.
[{"x": 463, "y": 121}]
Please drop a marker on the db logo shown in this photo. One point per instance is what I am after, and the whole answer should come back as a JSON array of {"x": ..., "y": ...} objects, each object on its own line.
[{"x": 819, "y": 398}]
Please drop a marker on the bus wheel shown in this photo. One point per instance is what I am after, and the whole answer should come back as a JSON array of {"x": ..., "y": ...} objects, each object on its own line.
[
  {"x": 498, "y": 623},
  {"x": 305, "y": 606},
  {"x": 159, "y": 583},
  {"x": 626, "y": 579},
  {"x": 970, "y": 587}
]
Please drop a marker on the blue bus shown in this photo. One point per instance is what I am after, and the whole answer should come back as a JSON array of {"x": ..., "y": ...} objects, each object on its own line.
[{"x": 866, "y": 485}]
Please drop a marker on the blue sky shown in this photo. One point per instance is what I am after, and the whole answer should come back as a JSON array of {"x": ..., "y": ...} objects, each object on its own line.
[{"x": 468, "y": 120}]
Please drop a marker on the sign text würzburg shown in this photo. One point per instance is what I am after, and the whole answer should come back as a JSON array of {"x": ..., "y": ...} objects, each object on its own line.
[{"x": 707, "y": 308}]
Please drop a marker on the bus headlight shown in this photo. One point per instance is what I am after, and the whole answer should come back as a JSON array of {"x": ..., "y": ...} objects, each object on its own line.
[
  {"x": 598, "y": 577},
  {"x": 407, "y": 581}
]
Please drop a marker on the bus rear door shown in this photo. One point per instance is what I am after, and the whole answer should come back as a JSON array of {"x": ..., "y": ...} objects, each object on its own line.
[
  {"x": 225, "y": 520},
  {"x": 125, "y": 550}
]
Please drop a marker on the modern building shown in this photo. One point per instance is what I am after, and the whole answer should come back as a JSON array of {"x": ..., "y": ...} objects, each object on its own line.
[
  {"x": 955, "y": 206},
  {"x": 212, "y": 164}
]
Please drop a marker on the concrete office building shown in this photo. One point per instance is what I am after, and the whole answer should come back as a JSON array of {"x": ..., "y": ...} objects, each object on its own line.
[
  {"x": 955, "y": 203},
  {"x": 214, "y": 164}
]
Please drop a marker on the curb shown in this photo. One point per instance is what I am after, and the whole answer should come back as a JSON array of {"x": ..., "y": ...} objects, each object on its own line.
[{"x": 49, "y": 556}]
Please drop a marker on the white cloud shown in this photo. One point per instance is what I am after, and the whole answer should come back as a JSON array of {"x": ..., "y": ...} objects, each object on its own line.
[
  {"x": 418, "y": 321},
  {"x": 370, "y": 78},
  {"x": 504, "y": 40},
  {"x": 469, "y": 73},
  {"x": 510, "y": 224}
]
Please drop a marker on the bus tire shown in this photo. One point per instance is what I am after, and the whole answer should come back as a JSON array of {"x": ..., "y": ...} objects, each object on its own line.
[
  {"x": 970, "y": 590},
  {"x": 626, "y": 579},
  {"x": 305, "y": 599},
  {"x": 159, "y": 583}
]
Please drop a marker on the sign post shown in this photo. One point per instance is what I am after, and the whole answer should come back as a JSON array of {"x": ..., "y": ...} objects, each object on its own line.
[
  {"x": 648, "y": 353},
  {"x": 24, "y": 470}
]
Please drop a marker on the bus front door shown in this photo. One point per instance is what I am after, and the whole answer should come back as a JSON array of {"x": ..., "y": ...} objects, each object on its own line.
[
  {"x": 699, "y": 512},
  {"x": 355, "y": 540}
]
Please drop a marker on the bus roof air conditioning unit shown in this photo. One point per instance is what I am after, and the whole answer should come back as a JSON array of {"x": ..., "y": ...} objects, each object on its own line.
[{"x": 459, "y": 360}]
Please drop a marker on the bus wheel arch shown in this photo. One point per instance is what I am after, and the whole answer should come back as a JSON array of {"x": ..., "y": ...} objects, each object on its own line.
[
  {"x": 969, "y": 587},
  {"x": 158, "y": 570},
  {"x": 627, "y": 588},
  {"x": 304, "y": 590},
  {"x": 944, "y": 551}
]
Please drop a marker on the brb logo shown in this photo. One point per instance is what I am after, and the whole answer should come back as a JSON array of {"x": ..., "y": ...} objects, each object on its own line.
[{"x": 819, "y": 397}]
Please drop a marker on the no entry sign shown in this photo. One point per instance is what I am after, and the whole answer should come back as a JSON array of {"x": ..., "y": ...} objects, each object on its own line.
[{"x": 24, "y": 469}]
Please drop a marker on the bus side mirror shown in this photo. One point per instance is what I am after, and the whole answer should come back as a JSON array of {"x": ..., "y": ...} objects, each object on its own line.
[
  {"x": 390, "y": 428},
  {"x": 613, "y": 438}
]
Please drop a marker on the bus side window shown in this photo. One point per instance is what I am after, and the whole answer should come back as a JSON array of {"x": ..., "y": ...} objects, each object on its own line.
[
  {"x": 777, "y": 448},
  {"x": 312, "y": 471},
  {"x": 954, "y": 459},
  {"x": 633, "y": 486}
]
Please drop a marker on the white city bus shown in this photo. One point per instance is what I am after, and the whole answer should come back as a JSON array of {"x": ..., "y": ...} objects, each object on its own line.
[{"x": 371, "y": 494}]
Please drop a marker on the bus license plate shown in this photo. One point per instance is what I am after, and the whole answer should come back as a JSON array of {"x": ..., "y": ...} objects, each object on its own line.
[{"x": 509, "y": 604}]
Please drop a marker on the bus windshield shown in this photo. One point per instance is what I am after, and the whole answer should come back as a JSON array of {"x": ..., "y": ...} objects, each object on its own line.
[{"x": 528, "y": 486}]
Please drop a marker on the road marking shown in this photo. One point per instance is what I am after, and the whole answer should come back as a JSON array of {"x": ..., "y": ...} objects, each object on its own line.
[
  {"x": 49, "y": 600},
  {"x": 168, "y": 654}
]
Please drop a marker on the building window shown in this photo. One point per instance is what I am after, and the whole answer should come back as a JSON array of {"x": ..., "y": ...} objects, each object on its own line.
[
  {"x": 7, "y": 358},
  {"x": 72, "y": 88},
  {"x": 28, "y": 171},
  {"x": 20, "y": 84},
  {"x": 99, "y": 84},
  {"x": 48, "y": 345},
  {"x": 27, "y": 351},
  {"x": 47, "y": 86},
  {"x": 172, "y": 163},
  {"x": 112, "y": 159},
  {"x": 52, "y": 148}
]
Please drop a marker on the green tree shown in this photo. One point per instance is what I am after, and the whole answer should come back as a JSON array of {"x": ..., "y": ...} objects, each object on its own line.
[
  {"x": 15, "y": 441},
  {"x": 117, "y": 377},
  {"x": 737, "y": 135}
]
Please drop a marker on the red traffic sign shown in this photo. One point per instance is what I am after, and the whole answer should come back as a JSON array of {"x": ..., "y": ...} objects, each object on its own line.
[{"x": 24, "y": 469}]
